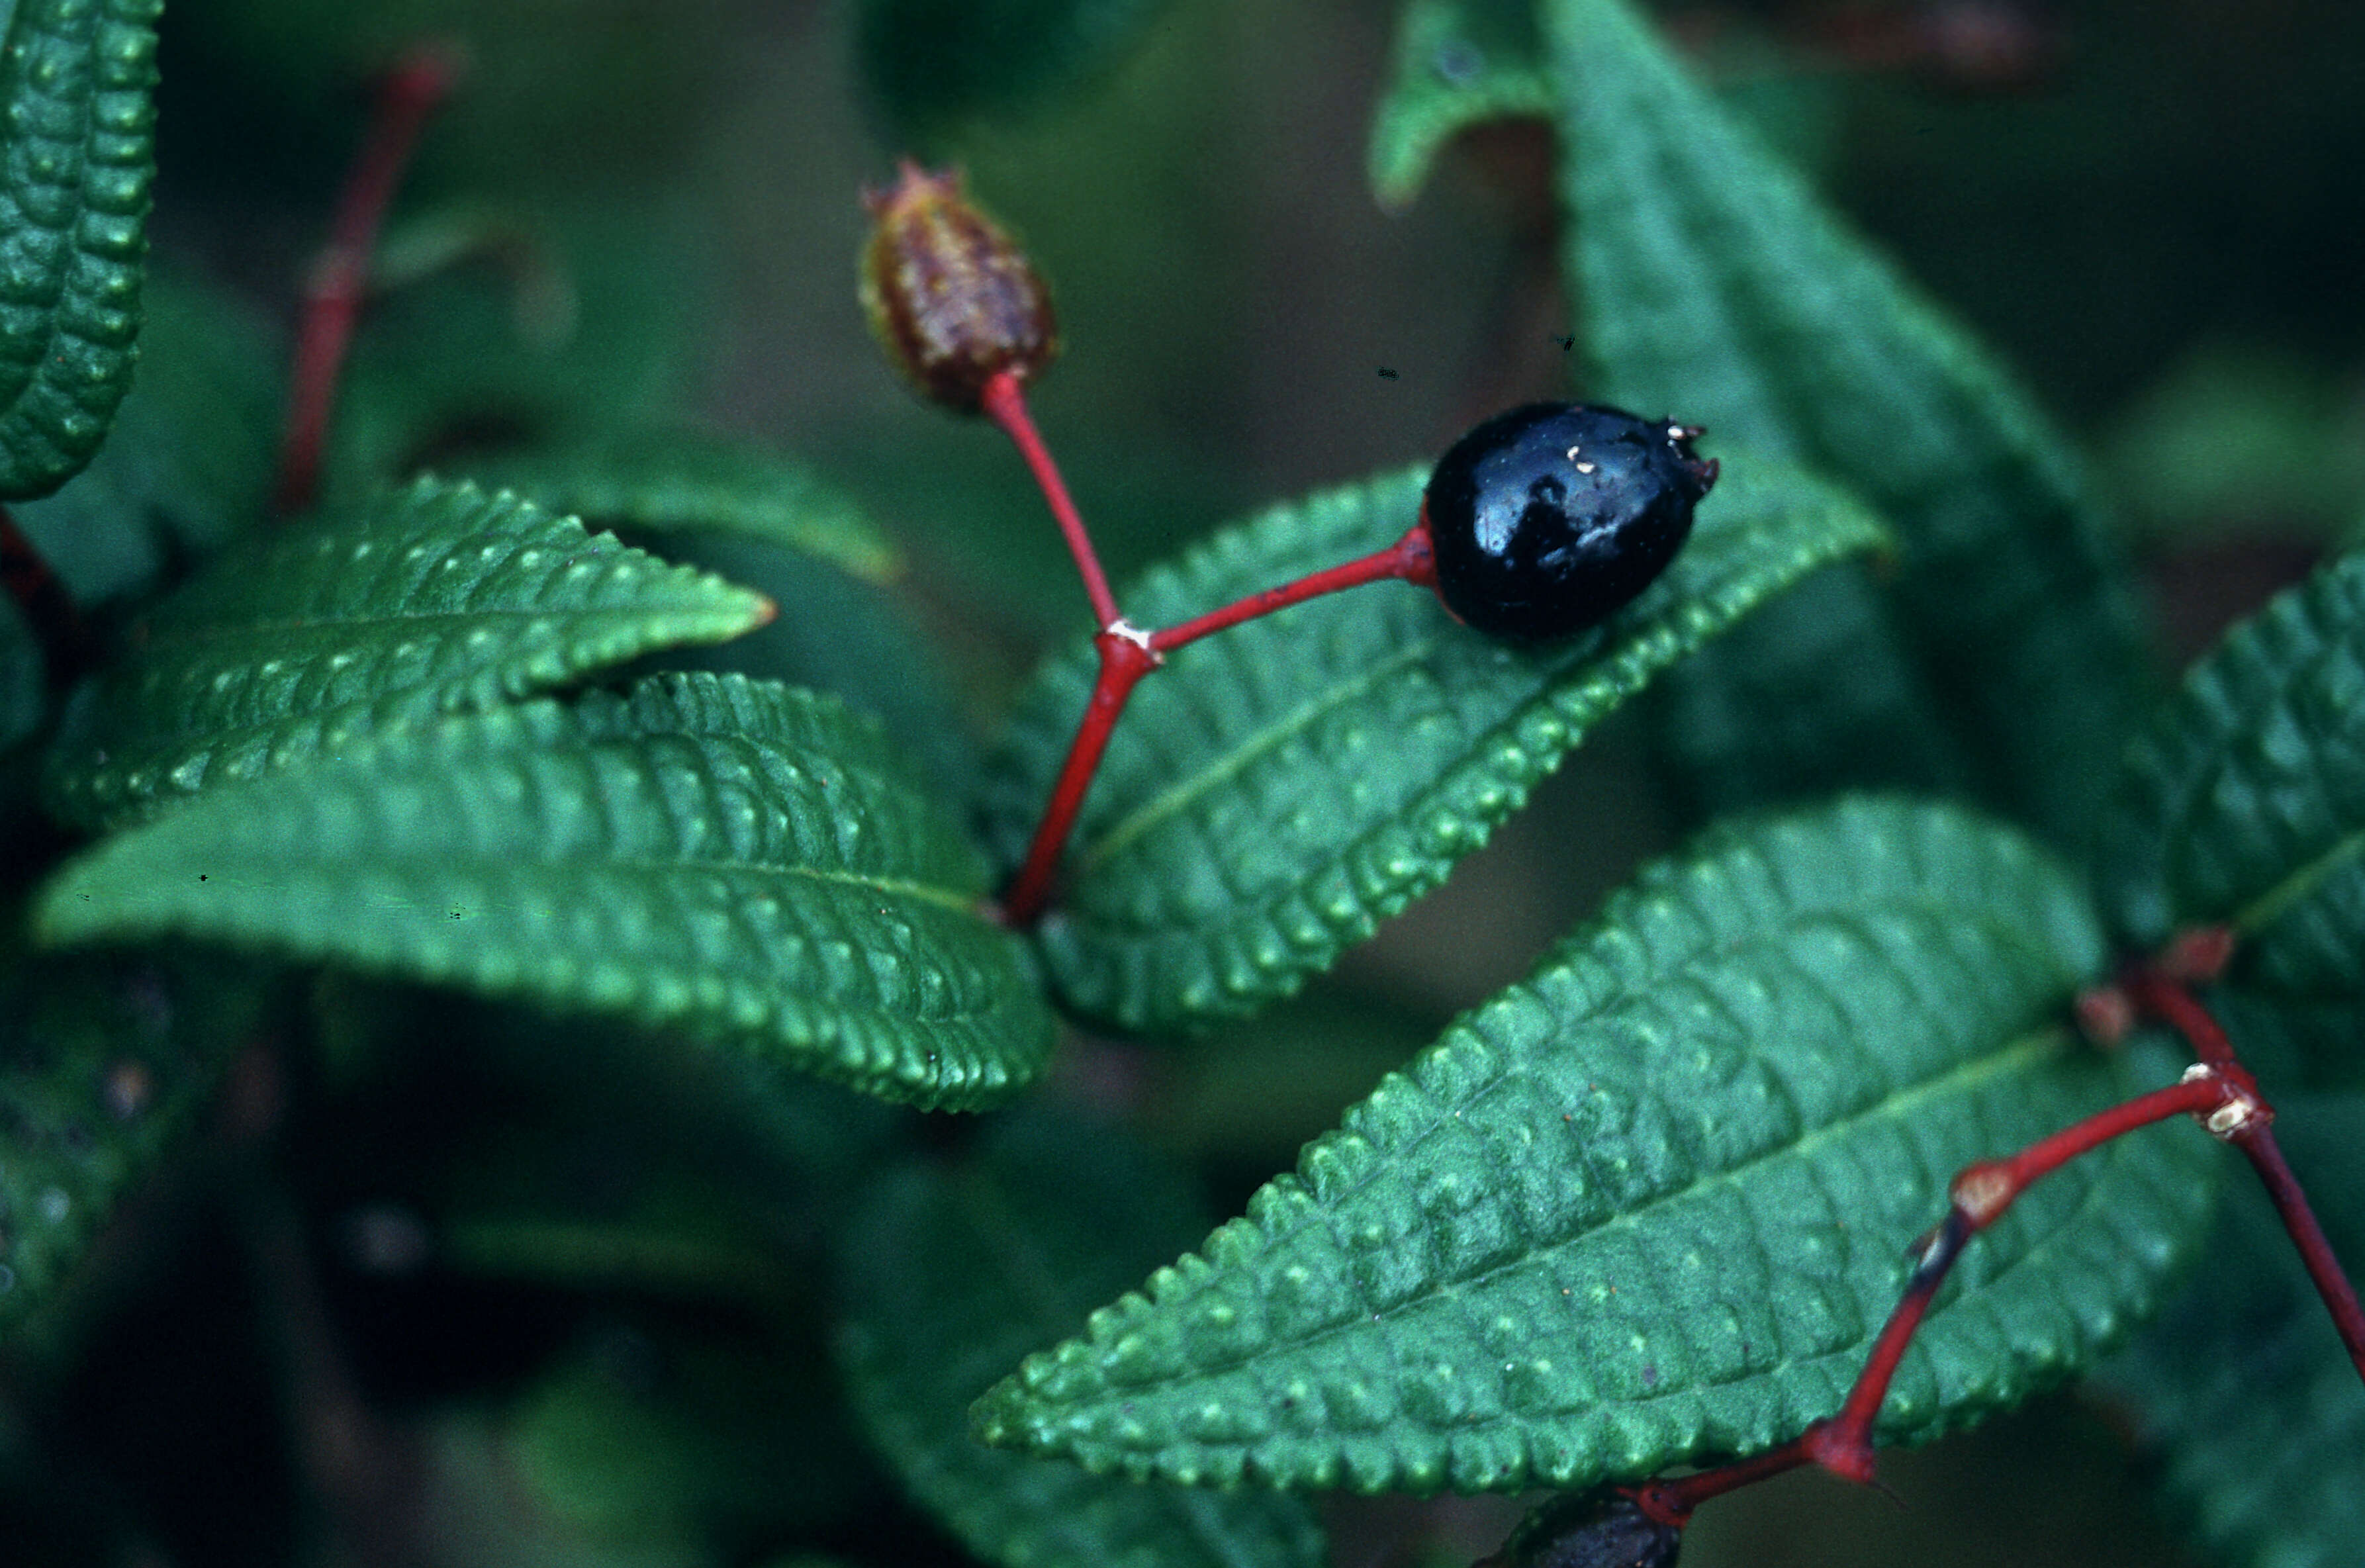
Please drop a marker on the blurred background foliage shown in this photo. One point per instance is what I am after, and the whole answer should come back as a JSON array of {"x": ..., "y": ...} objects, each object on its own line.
[{"x": 451, "y": 1285}]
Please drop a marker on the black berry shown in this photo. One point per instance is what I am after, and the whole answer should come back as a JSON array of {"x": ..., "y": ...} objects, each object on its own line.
[
  {"x": 1548, "y": 518},
  {"x": 1591, "y": 1529}
]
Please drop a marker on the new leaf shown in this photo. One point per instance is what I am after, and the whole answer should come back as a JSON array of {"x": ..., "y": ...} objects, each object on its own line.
[
  {"x": 747, "y": 862},
  {"x": 1651, "y": 1204},
  {"x": 1283, "y": 788}
]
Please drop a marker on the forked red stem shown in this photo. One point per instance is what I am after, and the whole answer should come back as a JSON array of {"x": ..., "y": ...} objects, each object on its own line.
[
  {"x": 1126, "y": 658},
  {"x": 2162, "y": 995},
  {"x": 1981, "y": 1192},
  {"x": 1127, "y": 654},
  {"x": 406, "y": 96}
]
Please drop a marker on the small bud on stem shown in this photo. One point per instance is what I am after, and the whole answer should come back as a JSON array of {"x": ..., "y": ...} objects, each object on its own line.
[{"x": 951, "y": 298}]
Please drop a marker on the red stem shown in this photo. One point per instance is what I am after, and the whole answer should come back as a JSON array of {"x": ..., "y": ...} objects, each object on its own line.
[
  {"x": 2157, "y": 995},
  {"x": 1409, "y": 558},
  {"x": 332, "y": 298},
  {"x": 1005, "y": 402},
  {"x": 1981, "y": 1192},
  {"x": 2315, "y": 1250},
  {"x": 1126, "y": 658},
  {"x": 48, "y": 608}
]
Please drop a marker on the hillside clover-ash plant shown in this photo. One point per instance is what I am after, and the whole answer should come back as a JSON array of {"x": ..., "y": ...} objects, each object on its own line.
[{"x": 530, "y": 1031}]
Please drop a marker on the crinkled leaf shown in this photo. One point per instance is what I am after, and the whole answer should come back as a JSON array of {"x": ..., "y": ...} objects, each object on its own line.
[
  {"x": 855, "y": 640},
  {"x": 188, "y": 465},
  {"x": 1458, "y": 63},
  {"x": 1283, "y": 788},
  {"x": 935, "y": 63},
  {"x": 1717, "y": 288},
  {"x": 102, "y": 1065},
  {"x": 1651, "y": 1204},
  {"x": 2243, "y": 1390},
  {"x": 435, "y": 599},
  {"x": 953, "y": 1272},
  {"x": 78, "y": 146},
  {"x": 746, "y": 862},
  {"x": 664, "y": 481},
  {"x": 2244, "y": 803}
]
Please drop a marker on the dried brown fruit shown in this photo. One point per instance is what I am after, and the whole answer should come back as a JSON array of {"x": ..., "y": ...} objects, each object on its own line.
[{"x": 950, "y": 296}]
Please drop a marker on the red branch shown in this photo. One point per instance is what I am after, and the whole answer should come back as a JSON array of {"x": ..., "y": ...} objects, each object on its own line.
[
  {"x": 1128, "y": 652},
  {"x": 406, "y": 96},
  {"x": 2217, "y": 1090},
  {"x": 1981, "y": 1192},
  {"x": 1004, "y": 401}
]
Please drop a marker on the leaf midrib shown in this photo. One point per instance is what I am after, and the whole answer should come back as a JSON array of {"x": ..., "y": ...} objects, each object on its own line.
[
  {"x": 206, "y": 634},
  {"x": 2009, "y": 1054},
  {"x": 446, "y": 859}
]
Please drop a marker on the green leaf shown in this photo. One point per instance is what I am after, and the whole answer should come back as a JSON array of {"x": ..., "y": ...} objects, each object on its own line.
[
  {"x": 2244, "y": 804},
  {"x": 934, "y": 63},
  {"x": 748, "y": 863},
  {"x": 953, "y": 1272},
  {"x": 855, "y": 640},
  {"x": 77, "y": 83},
  {"x": 1717, "y": 288},
  {"x": 1652, "y": 1204},
  {"x": 103, "y": 1064},
  {"x": 1283, "y": 788},
  {"x": 669, "y": 1446},
  {"x": 664, "y": 481},
  {"x": 1458, "y": 63},
  {"x": 2243, "y": 1391},
  {"x": 566, "y": 321},
  {"x": 434, "y": 599},
  {"x": 188, "y": 465}
]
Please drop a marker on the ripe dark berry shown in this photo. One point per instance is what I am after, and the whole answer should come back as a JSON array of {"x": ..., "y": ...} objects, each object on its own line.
[
  {"x": 1591, "y": 1529},
  {"x": 1548, "y": 518}
]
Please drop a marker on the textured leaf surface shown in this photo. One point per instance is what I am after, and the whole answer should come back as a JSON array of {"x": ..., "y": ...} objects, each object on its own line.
[
  {"x": 434, "y": 599},
  {"x": 77, "y": 156},
  {"x": 1286, "y": 785},
  {"x": 664, "y": 481},
  {"x": 934, "y": 63},
  {"x": 953, "y": 1272},
  {"x": 2245, "y": 803},
  {"x": 855, "y": 640},
  {"x": 102, "y": 1065},
  {"x": 1458, "y": 63},
  {"x": 1717, "y": 288},
  {"x": 188, "y": 463},
  {"x": 743, "y": 861},
  {"x": 2243, "y": 1390},
  {"x": 1652, "y": 1203}
]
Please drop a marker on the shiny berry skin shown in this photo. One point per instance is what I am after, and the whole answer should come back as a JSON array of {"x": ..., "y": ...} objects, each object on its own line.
[
  {"x": 1595, "y": 1530},
  {"x": 1548, "y": 518}
]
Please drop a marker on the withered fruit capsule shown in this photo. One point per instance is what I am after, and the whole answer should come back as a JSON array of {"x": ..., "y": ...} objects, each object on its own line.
[{"x": 950, "y": 296}]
